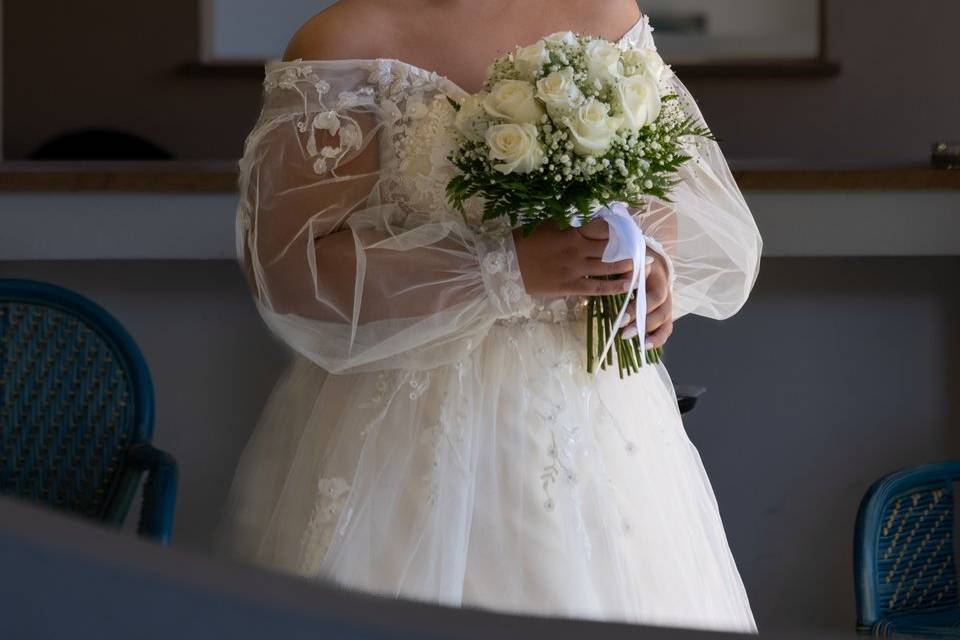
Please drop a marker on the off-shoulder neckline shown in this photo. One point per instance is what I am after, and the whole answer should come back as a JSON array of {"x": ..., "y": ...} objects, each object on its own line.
[{"x": 278, "y": 63}]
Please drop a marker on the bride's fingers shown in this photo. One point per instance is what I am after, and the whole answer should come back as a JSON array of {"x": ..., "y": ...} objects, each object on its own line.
[
  {"x": 629, "y": 320},
  {"x": 599, "y": 286},
  {"x": 657, "y": 296},
  {"x": 594, "y": 249},
  {"x": 596, "y": 230},
  {"x": 607, "y": 284},
  {"x": 659, "y": 317},
  {"x": 655, "y": 313},
  {"x": 596, "y": 267},
  {"x": 658, "y": 291},
  {"x": 659, "y": 337}
]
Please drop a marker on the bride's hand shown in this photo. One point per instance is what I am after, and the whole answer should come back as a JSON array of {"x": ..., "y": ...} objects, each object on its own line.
[
  {"x": 659, "y": 324},
  {"x": 569, "y": 262},
  {"x": 562, "y": 262}
]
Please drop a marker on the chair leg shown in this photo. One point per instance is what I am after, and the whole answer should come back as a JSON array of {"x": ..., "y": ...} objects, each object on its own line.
[{"x": 159, "y": 491}]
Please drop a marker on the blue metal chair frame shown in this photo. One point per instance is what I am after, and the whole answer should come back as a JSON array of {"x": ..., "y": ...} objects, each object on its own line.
[
  {"x": 32, "y": 460},
  {"x": 904, "y": 568}
]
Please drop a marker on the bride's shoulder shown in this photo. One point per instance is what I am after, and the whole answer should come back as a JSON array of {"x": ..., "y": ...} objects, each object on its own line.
[{"x": 345, "y": 30}]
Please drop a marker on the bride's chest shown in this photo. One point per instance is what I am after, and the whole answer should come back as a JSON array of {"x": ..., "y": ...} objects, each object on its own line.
[
  {"x": 418, "y": 135},
  {"x": 419, "y": 147},
  {"x": 417, "y": 139}
]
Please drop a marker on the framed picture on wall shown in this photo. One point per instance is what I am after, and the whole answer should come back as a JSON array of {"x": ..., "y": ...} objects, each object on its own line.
[
  {"x": 698, "y": 37},
  {"x": 712, "y": 31}
]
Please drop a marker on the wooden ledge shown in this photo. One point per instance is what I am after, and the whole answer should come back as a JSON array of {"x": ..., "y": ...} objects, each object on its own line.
[{"x": 221, "y": 177}]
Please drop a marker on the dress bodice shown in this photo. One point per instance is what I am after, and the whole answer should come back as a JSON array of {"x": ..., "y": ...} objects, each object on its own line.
[
  {"x": 418, "y": 128},
  {"x": 421, "y": 449},
  {"x": 419, "y": 139},
  {"x": 361, "y": 147}
]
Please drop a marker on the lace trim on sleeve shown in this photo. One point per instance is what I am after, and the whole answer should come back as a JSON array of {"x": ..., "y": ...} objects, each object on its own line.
[{"x": 501, "y": 273}]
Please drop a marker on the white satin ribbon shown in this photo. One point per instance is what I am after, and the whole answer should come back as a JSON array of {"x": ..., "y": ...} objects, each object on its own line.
[{"x": 626, "y": 242}]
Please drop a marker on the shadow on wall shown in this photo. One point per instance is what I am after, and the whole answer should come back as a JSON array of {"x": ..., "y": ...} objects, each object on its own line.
[{"x": 99, "y": 144}]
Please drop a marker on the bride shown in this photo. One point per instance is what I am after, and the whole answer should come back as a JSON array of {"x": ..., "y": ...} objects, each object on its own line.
[{"x": 437, "y": 436}]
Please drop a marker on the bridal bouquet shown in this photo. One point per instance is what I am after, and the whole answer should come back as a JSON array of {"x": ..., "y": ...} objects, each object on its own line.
[{"x": 570, "y": 129}]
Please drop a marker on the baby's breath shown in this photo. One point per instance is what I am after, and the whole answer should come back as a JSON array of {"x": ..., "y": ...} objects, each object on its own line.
[{"x": 637, "y": 164}]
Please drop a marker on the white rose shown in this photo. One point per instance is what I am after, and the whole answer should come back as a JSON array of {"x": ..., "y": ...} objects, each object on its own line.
[
  {"x": 639, "y": 100},
  {"x": 567, "y": 38},
  {"x": 603, "y": 60},
  {"x": 559, "y": 91},
  {"x": 647, "y": 60},
  {"x": 530, "y": 60},
  {"x": 593, "y": 128},
  {"x": 516, "y": 147},
  {"x": 514, "y": 101},
  {"x": 467, "y": 121}
]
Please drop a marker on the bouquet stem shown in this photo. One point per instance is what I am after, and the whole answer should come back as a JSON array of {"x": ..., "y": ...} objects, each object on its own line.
[{"x": 630, "y": 355}]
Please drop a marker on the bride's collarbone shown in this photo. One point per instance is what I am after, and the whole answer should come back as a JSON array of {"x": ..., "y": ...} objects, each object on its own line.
[
  {"x": 454, "y": 58},
  {"x": 465, "y": 66},
  {"x": 461, "y": 48}
]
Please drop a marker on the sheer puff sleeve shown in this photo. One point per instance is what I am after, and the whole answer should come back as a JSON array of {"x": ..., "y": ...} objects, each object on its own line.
[
  {"x": 706, "y": 231},
  {"x": 343, "y": 269}
]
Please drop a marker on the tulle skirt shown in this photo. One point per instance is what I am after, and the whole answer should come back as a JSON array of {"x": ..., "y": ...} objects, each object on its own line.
[{"x": 511, "y": 480}]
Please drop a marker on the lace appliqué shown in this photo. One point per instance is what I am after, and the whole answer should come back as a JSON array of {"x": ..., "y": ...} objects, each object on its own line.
[
  {"x": 553, "y": 471},
  {"x": 560, "y": 459},
  {"x": 389, "y": 384},
  {"x": 423, "y": 149},
  {"x": 292, "y": 77},
  {"x": 501, "y": 273},
  {"x": 392, "y": 385},
  {"x": 419, "y": 120},
  {"x": 332, "y": 494},
  {"x": 330, "y": 134},
  {"x": 445, "y": 438},
  {"x": 419, "y": 382},
  {"x": 384, "y": 389}
]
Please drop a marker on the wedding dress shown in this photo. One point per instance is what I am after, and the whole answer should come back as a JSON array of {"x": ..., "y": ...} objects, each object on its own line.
[{"x": 437, "y": 436}]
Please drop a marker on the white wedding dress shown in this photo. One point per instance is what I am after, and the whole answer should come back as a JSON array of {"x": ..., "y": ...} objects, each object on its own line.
[{"x": 437, "y": 436}]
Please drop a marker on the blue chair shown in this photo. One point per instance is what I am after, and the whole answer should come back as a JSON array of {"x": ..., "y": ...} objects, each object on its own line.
[
  {"x": 76, "y": 411},
  {"x": 905, "y": 574}
]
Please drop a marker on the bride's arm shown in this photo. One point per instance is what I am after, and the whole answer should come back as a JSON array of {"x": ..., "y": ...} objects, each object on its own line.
[
  {"x": 341, "y": 272},
  {"x": 346, "y": 275},
  {"x": 707, "y": 231},
  {"x": 328, "y": 246}
]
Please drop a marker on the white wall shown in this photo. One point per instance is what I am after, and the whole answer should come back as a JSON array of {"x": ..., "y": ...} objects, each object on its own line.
[
  {"x": 101, "y": 226},
  {"x": 253, "y": 29},
  {"x": 744, "y": 17},
  {"x": 740, "y": 28},
  {"x": 260, "y": 29}
]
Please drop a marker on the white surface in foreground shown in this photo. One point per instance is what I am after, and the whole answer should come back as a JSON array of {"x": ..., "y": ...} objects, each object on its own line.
[{"x": 65, "y": 578}]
